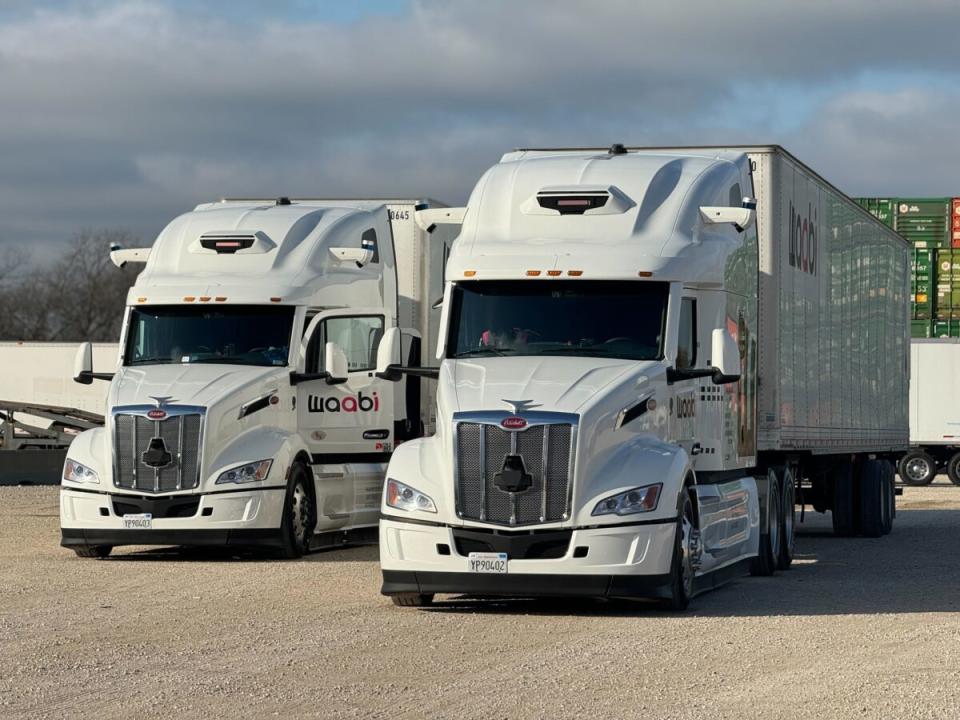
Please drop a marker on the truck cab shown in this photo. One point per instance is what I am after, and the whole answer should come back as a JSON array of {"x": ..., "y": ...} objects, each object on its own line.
[{"x": 246, "y": 408}]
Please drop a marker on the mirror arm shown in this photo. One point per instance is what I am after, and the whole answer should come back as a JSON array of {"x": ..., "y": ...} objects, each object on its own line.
[
  {"x": 720, "y": 379},
  {"x": 678, "y": 374},
  {"x": 396, "y": 370},
  {"x": 87, "y": 378},
  {"x": 298, "y": 377}
]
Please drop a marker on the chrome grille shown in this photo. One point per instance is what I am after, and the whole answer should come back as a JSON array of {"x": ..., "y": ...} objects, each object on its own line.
[
  {"x": 181, "y": 434},
  {"x": 546, "y": 450}
]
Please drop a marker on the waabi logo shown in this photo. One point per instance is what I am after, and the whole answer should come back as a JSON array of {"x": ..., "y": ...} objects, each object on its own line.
[
  {"x": 804, "y": 241},
  {"x": 513, "y": 423},
  {"x": 348, "y": 404},
  {"x": 157, "y": 414}
]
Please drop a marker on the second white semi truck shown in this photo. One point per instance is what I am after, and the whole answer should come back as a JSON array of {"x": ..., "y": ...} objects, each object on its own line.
[
  {"x": 249, "y": 404},
  {"x": 646, "y": 356}
]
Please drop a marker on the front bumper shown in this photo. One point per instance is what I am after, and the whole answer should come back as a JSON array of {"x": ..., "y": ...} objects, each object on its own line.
[
  {"x": 629, "y": 560},
  {"x": 250, "y": 517}
]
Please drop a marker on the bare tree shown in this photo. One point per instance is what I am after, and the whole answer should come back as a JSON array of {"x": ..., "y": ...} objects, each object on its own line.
[{"x": 80, "y": 297}]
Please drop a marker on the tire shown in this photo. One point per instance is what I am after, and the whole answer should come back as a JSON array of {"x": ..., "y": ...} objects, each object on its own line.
[
  {"x": 844, "y": 511},
  {"x": 873, "y": 502},
  {"x": 917, "y": 468},
  {"x": 953, "y": 468},
  {"x": 889, "y": 498},
  {"x": 765, "y": 564},
  {"x": 788, "y": 517},
  {"x": 412, "y": 599},
  {"x": 299, "y": 514},
  {"x": 93, "y": 551},
  {"x": 681, "y": 569}
]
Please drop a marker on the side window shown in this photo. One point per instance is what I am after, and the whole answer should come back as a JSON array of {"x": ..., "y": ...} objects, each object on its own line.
[
  {"x": 736, "y": 198},
  {"x": 358, "y": 337},
  {"x": 687, "y": 340}
]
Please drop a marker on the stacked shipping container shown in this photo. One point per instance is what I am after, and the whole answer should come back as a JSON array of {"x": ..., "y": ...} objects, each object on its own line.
[{"x": 932, "y": 226}]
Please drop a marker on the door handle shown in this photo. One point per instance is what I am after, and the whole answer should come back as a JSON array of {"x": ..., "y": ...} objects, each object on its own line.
[{"x": 695, "y": 449}]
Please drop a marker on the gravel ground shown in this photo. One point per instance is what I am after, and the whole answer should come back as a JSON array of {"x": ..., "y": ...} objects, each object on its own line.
[{"x": 858, "y": 628}]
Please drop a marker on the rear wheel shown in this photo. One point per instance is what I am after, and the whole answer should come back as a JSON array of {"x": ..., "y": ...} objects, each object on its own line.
[
  {"x": 873, "y": 501},
  {"x": 917, "y": 468},
  {"x": 953, "y": 469},
  {"x": 299, "y": 516},
  {"x": 766, "y": 561},
  {"x": 412, "y": 599},
  {"x": 93, "y": 551},
  {"x": 844, "y": 510},
  {"x": 681, "y": 569},
  {"x": 889, "y": 498},
  {"x": 788, "y": 501}
]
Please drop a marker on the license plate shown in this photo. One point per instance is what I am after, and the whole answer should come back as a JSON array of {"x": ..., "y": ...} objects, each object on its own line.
[
  {"x": 143, "y": 521},
  {"x": 487, "y": 562}
]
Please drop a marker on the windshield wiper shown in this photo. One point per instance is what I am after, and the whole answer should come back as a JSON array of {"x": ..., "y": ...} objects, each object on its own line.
[
  {"x": 153, "y": 361},
  {"x": 479, "y": 352}
]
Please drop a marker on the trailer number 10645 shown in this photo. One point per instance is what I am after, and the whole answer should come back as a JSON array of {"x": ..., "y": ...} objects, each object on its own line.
[{"x": 487, "y": 562}]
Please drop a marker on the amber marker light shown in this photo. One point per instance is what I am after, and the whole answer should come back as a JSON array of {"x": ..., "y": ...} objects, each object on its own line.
[
  {"x": 141, "y": 300},
  {"x": 275, "y": 299},
  {"x": 220, "y": 299},
  {"x": 574, "y": 273},
  {"x": 645, "y": 273},
  {"x": 554, "y": 273},
  {"x": 189, "y": 298},
  {"x": 205, "y": 299},
  {"x": 469, "y": 273},
  {"x": 533, "y": 273}
]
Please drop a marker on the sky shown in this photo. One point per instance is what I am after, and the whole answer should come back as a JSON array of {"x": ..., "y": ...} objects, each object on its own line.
[{"x": 122, "y": 114}]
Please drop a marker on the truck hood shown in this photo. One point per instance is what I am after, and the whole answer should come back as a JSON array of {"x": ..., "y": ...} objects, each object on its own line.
[
  {"x": 561, "y": 384},
  {"x": 198, "y": 384}
]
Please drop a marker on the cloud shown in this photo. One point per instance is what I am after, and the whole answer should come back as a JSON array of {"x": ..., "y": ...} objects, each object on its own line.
[{"x": 127, "y": 113}]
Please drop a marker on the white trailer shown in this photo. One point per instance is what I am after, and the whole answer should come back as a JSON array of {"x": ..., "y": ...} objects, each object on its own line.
[
  {"x": 251, "y": 403},
  {"x": 934, "y": 412},
  {"x": 645, "y": 355}
]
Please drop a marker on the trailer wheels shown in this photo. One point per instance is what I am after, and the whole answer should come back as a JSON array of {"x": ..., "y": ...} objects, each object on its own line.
[
  {"x": 873, "y": 500},
  {"x": 681, "y": 569},
  {"x": 412, "y": 599},
  {"x": 918, "y": 468},
  {"x": 953, "y": 469},
  {"x": 844, "y": 510},
  {"x": 769, "y": 555},
  {"x": 93, "y": 551},
  {"x": 788, "y": 501},
  {"x": 299, "y": 515}
]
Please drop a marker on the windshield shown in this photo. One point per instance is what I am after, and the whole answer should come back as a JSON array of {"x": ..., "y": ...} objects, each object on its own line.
[
  {"x": 620, "y": 319},
  {"x": 237, "y": 335}
]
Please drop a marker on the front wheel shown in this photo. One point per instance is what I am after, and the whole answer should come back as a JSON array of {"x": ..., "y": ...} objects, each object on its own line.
[
  {"x": 917, "y": 468},
  {"x": 681, "y": 569},
  {"x": 412, "y": 599},
  {"x": 299, "y": 517}
]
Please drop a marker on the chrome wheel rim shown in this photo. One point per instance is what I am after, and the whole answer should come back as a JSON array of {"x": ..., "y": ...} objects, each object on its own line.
[
  {"x": 687, "y": 551},
  {"x": 300, "y": 512},
  {"x": 917, "y": 469}
]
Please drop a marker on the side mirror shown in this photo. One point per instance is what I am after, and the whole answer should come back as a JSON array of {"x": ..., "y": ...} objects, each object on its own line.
[
  {"x": 335, "y": 363},
  {"x": 725, "y": 357},
  {"x": 360, "y": 256},
  {"x": 740, "y": 218},
  {"x": 388, "y": 355},
  {"x": 83, "y": 364}
]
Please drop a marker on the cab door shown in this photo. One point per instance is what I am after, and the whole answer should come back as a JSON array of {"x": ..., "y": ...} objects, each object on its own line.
[
  {"x": 684, "y": 405},
  {"x": 348, "y": 426}
]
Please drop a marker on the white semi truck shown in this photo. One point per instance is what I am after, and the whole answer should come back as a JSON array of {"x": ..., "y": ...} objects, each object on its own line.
[
  {"x": 934, "y": 412},
  {"x": 246, "y": 406},
  {"x": 647, "y": 356}
]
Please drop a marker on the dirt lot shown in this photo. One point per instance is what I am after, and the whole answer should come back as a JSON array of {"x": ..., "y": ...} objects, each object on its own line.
[{"x": 859, "y": 628}]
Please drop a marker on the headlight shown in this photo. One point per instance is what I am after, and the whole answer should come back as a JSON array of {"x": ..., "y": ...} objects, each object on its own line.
[
  {"x": 251, "y": 472},
  {"x": 75, "y": 472},
  {"x": 404, "y": 497},
  {"x": 638, "y": 500}
]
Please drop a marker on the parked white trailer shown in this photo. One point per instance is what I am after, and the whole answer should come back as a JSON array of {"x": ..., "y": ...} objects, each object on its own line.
[
  {"x": 934, "y": 412},
  {"x": 251, "y": 403},
  {"x": 646, "y": 353}
]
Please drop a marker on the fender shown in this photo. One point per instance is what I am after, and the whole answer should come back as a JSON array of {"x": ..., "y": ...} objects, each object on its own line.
[
  {"x": 642, "y": 460},
  {"x": 422, "y": 464},
  {"x": 257, "y": 443},
  {"x": 90, "y": 448}
]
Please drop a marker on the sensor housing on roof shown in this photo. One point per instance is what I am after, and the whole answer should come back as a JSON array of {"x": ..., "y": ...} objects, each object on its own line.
[{"x": 578, "y": 200}]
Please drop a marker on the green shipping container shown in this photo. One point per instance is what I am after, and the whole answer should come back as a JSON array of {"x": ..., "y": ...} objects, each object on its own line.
[
  {"x": 946, "y": 328},
  {"x": 923, "y": 279},
  {"x": 925, "y": 222},
  {"x": 881, "y": 208},
  {"x": 921, "y": 329}
]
